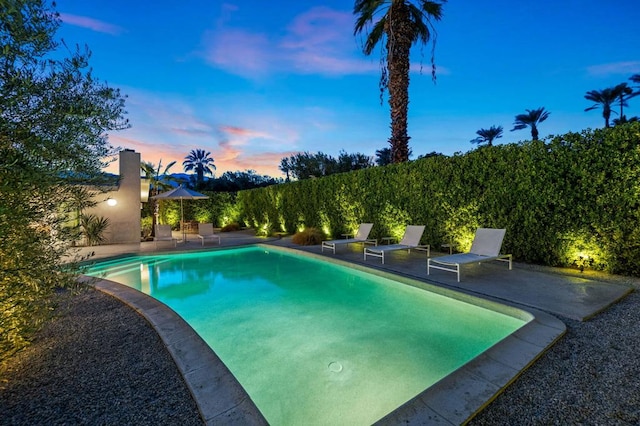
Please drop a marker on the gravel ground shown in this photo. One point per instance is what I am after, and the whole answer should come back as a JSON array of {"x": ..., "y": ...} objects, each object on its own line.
[
  {"x": 590, "y": 377},
  {"x": 97, "y": 363},
  {"x": 100, "y": 363}
]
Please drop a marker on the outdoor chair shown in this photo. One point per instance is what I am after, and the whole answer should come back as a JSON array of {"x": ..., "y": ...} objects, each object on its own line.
[
  {"x": 410, "y": 240},
  {"x": 163, "y": 233},
  {"x": 486, "y": 246},
  {"x": 205, "y": 232},
  {"x": 362, "y": 236}
]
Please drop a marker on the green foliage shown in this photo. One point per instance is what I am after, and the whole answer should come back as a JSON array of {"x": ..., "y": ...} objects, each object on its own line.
[
  {"x": 231, "y": 227},
  {"x": 572, "y": 200},
  {"x": 309, "y": 237},
  {"x": 220, "y": 209},
  {"x": 305, "y": 165},
  {"x": 146, "y": 224},
  {"x": 239, "y": 180},
  {"x": 93, "y": 228},
  {"x": 54, "y": 116}
]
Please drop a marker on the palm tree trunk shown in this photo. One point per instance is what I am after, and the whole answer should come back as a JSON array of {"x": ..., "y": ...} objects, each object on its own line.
[
  {"x": 534, "y": 132},
  {"x": 399, "y": 40},
  {"x": 200, "y": 175}
]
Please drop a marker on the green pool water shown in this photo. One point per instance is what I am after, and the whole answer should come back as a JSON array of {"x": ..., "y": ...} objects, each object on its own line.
[{"x": 313, "y": 342}]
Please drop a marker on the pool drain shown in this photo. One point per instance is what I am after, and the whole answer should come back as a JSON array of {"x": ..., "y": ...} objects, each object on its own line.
[{"x": 335, "y": 367}]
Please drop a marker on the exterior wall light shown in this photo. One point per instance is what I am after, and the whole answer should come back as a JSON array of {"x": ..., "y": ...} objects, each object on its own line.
[{"x": 111, "y": 201}]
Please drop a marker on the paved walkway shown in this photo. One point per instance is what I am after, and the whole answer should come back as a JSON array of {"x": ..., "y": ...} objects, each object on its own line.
[{"x": 544, "y": 293}]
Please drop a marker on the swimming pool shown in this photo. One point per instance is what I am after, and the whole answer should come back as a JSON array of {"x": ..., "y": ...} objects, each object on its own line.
[{"x": 311, "y": 341}]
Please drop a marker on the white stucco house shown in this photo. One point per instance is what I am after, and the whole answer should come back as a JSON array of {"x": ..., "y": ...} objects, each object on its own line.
[{"x": 121, "y": 205}]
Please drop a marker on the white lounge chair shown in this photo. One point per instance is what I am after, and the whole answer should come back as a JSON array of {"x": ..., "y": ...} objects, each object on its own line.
[
  {"x": 410, "y": 240},
  {"x": 205, "y": 232},
  {"x": 486, "y": 246},
  {"x": 163, "y": 233},
  {"x": 362, "y": 236}
]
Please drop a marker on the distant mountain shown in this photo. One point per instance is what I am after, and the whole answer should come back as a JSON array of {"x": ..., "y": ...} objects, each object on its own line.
[{"x": 181, "y": 177}]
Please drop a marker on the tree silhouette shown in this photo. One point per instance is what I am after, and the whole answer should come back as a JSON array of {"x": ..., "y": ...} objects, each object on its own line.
[
  {"x": 383, "y": 156},
  {"x": 604, "y": 99},
  {"x": 636, "y": 79},
  {"x": 488, "y": 135},
  {"x": 199, "y": 161},
  {"x": 625, "y": 93},
  {"x": 401, "y": 24},
  {"x": 531, "y": 119}
]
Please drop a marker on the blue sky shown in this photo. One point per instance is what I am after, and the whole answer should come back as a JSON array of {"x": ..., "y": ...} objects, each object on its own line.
[{"x": 253, "y": 81}]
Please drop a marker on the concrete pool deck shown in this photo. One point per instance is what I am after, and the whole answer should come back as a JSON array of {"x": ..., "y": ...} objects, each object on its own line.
[{"x": 544, "y": 292}]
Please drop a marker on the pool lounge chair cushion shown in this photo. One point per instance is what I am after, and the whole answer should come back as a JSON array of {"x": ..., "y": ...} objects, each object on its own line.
[
  {"x": 410, "y": 240},
  {"x": 205, "y": 232},
  {"x": 486, "y": 246},
  {"x": 163, "y": 233},
  {"x": 362, "y": 236}
]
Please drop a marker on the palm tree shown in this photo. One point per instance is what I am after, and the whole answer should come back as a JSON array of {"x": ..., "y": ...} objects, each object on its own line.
[
  {"x": 636, "y": 79},
  {"x": 383, "y": 156},
  {"x": 488, "y": 135},
  {"x": 402, "y": 23},
  {"x": 624, "y": 93},
  {"x": 159, "y": 181},
  {"x": 604, "y": 99},
  {"x": 625, "y": 120},
  {"x": 531, "y": 119},
  {"x": 199, "y": 161}
]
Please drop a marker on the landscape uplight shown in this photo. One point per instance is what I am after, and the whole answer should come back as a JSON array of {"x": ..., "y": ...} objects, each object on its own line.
[{"x": 111, "y": 201}]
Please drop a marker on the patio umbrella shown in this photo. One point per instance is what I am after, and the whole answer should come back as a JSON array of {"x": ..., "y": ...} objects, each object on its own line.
[{"x": 181, "y": 193}]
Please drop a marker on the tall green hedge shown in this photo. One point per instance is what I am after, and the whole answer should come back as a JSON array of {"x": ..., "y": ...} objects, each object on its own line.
[
  {"x": 569, "y": 200},
  {"x": 220, "y": 209}
]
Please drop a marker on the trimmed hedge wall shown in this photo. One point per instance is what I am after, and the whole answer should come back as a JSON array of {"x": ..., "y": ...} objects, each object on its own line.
[
  {"x": 220, "y": 209},
  {"x": 572, "y": 200}
]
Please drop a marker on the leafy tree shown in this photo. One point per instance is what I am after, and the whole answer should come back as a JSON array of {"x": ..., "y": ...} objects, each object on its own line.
[
  {"x": 400, "y": 23},
  {"x": 199, "y": 161},
  {"x": 348, "y": 162},
  {"x": 488, "y": 135},
  {"x": 605, "y": 99},
  {"x": 285, "y": 167},
  {"x": 531, "y": 119},
  {"x": 159, "y": 181},
  {"x": 54, "y": 118},
  {"x": 305, "y": 165},
  {"x": 240, "y": 180}
]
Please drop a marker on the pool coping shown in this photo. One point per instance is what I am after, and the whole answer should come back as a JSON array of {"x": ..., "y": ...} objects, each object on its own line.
[{"x": 455, "y": 399}]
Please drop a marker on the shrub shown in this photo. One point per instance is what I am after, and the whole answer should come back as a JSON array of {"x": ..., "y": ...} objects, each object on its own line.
[
  {"x": 145, "y": 225},
  {"x": 93, "y": 228},
  {"x": 308, "y": 237},
  {"x": 234, "y": 226}
]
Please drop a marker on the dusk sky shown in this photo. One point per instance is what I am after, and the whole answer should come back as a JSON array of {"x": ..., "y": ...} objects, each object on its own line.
[{"x": 253, "y": 81}]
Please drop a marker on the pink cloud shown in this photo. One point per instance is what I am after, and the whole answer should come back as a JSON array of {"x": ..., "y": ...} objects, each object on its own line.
[
  {"x": 92, "y": 24},
  {"x": 238, "y": 52},
  {"x": 320, "y": 27},
  {"x": 317, "y": 41},
  {"x": 242, "y": 132}
]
